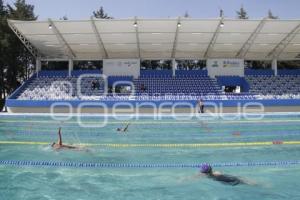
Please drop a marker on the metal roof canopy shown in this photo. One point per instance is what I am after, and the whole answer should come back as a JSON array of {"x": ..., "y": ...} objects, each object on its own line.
[{"x": 97, "y": 39}]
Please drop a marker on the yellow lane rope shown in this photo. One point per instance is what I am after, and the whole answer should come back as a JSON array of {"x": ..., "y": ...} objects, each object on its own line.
[
  {"x": 214, "y": 129},
  {"x": 194, "y": 145}
]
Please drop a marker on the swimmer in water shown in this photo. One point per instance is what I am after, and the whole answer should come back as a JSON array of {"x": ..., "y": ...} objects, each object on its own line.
[
  {"x": 59, "y": 145},
  {"x": 123, "y": 129},
  {"x": 206, "y": 170}
]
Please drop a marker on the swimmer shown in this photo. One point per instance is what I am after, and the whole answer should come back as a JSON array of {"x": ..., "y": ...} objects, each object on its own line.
[
  {"x": 60, "y": 145},
  {"x": 123, "y": 129},
  {"x": 200, "y": 106},
  {"x": 206, "y": 170}
]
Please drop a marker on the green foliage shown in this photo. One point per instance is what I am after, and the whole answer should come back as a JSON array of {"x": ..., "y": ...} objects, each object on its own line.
[
  {"x": 186, "y": 14},
  {"x": 21, "y": 11},
  {"x": 288, "y": 64},
  {"x": 15, "y": 60},
  {"x": 258, "y": 64},
  {"x": 64, "y": 18},
  {"x": 156, "y": 64},
  {"x": 242, "y": 14},
  {"x": 2, "y": 101},
  {"x": 101, "y": 14},
  {"x": 271, "y": 16},
  {"x": 2, "y": 9}
]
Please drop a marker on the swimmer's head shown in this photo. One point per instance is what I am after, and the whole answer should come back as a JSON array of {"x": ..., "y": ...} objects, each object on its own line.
[
  {"x": 118, "y": 129},
  {"x": 206, "y": 169},
  {"x": 52, "y": 145}
]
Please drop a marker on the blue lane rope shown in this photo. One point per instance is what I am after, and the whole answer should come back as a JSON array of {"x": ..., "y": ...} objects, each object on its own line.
[{"x": 128, "y": 165}]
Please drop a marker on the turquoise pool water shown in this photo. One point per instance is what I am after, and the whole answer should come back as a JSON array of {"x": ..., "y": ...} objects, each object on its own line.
[{"x": 229, "y": 141}]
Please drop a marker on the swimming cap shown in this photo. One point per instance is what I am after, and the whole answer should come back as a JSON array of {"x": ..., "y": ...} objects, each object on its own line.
[{"x": 206, "y": 168}]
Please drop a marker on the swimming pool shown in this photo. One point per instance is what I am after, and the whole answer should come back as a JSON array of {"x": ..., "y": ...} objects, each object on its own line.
[{"x": 155, "y": 159}]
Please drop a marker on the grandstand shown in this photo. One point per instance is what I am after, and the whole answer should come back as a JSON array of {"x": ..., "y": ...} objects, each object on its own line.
[
  {"x": 121, "y": 44},
  {"x": 275, "y": 85}
]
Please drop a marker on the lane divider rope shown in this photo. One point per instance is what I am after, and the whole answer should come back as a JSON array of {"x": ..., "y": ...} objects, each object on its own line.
[
  {"x": 158, "y": 122},
  {"x": 137, "y": 165},
  {"x": 187, "y": 145}
]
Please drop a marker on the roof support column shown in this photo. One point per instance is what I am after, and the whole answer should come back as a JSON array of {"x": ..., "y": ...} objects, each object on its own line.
[
  {"x": 98, "y": 36},
  {"x": 174, "y": 66},
  {"x": 274, "y": 66},
  {"x": 176, "y": 38},
  {"x": 137, "y": 37},
  {"x": 248, "y": 44},
  {"x": 214, "y": 39},
  {"x": 62, "y": 40},
  {"x": 277, "y": 51},
  {"x": 71, "y": 65},
  {"x": 38, "y": 66}
]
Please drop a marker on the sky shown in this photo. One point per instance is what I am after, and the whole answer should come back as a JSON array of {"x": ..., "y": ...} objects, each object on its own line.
[{"x": 83, "y": 9}]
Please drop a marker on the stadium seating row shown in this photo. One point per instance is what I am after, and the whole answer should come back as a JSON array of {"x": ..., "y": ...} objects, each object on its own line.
[{"x": 59, "y": 87}]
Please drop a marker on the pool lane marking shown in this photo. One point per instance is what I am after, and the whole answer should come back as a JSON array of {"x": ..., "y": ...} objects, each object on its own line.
[
  {"x": 26, "y": 163},
  {"x": 159, "y": 122},
  {"x": 24, "y": 142},
  {"x": 215, "y": 129},
  {"x": 194, "y": 145}
]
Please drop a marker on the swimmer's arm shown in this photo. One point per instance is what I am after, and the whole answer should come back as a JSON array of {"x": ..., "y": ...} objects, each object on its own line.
[
  {"x": 77, "y": 148},
  {"x": 59, "y": 137},
  {"x": 69, "y": 146},
  {"x": 125, "y": 129}
]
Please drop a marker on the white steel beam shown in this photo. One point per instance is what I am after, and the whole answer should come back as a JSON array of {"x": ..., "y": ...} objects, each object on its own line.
[
  {"x": 137, "y": 37},
  {"x": 98, "y": 36},
  {"x": 247, "y": 45},
  {"x": 24, "y": 40},
  {"x": 62, "y": 40},
  {"x": 214, "y": 39},
  {"x": 277, "y": 51},
  {"x": 176, "y": 38}
]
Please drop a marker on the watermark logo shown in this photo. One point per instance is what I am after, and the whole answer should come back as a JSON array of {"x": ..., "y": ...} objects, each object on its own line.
[{"x": 90, "y": 94}]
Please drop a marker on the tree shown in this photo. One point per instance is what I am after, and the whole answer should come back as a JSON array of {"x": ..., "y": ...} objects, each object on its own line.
[
  {"x": 64, "y": 18},
  {"x": 2, "y": 9},
  {"x": 271, "y": 16},
  {"x": 186, "y": 14},
  {"x": 15, "y": 60},
  {"x": 3, "y": 45},
  {"x": 101, "y": 14},
  {"x": 242, "y": 14},
  {"x": 20, "y": 60},
  {"x": 21, "y": 11}
]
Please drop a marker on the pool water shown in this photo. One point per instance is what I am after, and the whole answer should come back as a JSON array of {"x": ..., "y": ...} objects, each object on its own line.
[{"x": 150, "y": 141}]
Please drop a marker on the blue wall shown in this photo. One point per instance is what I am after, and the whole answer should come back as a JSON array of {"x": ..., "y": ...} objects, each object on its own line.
[
  {"x": 65, "y": 73},
  {"x": 256, "y": 72},
  {"x": 156, "y": 73},
  {"x": 288, "y": 71},
  {"x": 232, "y": 81},
  {"x": 112, "y": 79},
  {"x": 80, "y": 72},
  {"x": 225, "y": 103},
  {"x": 181, "y": 73},
  {"x": 51, "y": 73},
  {"x": 168, "y": 73}
]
